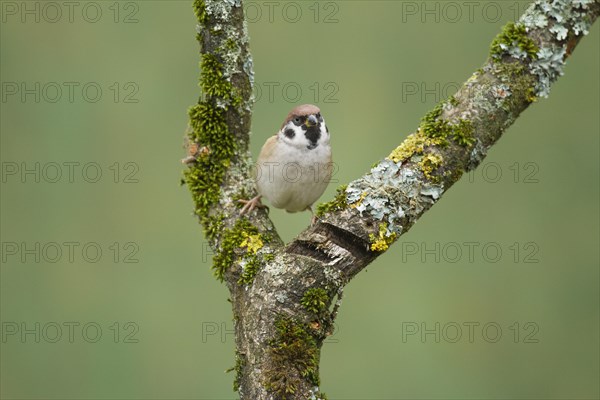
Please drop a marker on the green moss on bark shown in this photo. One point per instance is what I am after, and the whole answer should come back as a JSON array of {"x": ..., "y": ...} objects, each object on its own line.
[
  {"x": 245, "y": 240},
  {"x": 240, "y": 362},
  {"x": 433, "y": 126},
  {"x": 200, "y": 10},
  {"x": 295, "y": 355},
  {"x": 209, "y": 129},
  {"x": 513, "y": 36},
  {"x": 315, "y": 300},
  {"x": 337, "y": 204},
  {"x": 205, "y": 176},
  {"x": 520, "y": 81}
]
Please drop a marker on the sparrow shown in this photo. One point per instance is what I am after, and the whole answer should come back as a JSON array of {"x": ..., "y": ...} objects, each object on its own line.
[{"x": 294, "y": 166}]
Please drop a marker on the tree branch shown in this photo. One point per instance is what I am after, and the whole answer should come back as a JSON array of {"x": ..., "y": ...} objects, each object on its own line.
[{"x": 281, "y": 295}]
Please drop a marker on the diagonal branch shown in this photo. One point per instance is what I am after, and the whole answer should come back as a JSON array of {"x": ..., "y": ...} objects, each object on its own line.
[
  {"x": 374, "y": 210},
  {"x": 281, "y": 295}
]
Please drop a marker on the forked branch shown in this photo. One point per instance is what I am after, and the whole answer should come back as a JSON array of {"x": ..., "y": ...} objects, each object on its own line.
[{"x": 282, "y": 295}]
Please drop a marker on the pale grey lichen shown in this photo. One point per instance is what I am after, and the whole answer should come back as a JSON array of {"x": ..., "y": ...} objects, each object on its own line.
[
  {"x": 221, "y": 8},
  {"x": 480, "y": 102},
  {"x": 515, "y": 51},
  {"x": 535, "y": 20},
  {"x": 237, "y": 172},
  {"x": 501, "y": 92},
  {"x": 249, "y": 69},
  {"x": 564, "y": 13},
  {"x": 385, "y": 188},
  {"x": 548, "y": 67},
  {"x": 560, "y": 31},
  {"x": 315, "y": 394},
  {"x": 232, "y": 42},
  {"x": 477, "y": 155},
  {"x": 435, "y": 192},
  {"x": 334, "y": 276},
  {"x": 564, "y": 16},
  {"x": 276, "y": 267},
  {"x": 281, "y": 297}
]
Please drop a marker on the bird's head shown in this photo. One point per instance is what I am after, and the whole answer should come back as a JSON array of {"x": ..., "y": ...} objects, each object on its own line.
[{"x": 304, "y": 128}]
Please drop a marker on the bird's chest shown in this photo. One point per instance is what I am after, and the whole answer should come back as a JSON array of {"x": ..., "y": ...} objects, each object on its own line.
[
  {"x": 300, "y": 166},
  {"x": 293, "y": 179}
]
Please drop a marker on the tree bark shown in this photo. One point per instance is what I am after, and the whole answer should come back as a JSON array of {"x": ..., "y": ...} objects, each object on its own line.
[{"x": 285, "y": 297}]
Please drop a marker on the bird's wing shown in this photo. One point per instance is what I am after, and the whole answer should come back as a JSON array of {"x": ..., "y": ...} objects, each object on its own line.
[
  {"x": 330, "y": 167},
  {"x": 266, "y": 153}
]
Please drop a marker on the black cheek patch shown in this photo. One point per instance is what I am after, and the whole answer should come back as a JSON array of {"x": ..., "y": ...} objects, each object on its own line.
[{"x": 289, "y": 132}]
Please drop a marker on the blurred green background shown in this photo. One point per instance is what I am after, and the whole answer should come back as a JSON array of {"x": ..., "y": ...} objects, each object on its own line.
[{"x": 530, "y": 213}]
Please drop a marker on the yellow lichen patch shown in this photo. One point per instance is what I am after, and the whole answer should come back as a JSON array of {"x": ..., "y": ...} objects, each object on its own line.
[
  {"x": 357, "y": 202},
  {"x": 429, "y": 163},
  {"x": 382, "y": 241},
  {"x": 413, "y": 144},
  {"x": 252, "y": 242}
]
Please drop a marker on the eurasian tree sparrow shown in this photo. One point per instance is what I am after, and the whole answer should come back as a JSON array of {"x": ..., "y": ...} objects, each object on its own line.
[{"x": 294, "y": 166}]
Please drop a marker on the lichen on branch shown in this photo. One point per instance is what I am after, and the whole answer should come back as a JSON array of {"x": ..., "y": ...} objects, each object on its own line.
[{"x": 281, "y": 294}]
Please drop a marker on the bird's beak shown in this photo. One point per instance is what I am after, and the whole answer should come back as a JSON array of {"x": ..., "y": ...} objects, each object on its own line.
[{"x": 311, "y": 120}]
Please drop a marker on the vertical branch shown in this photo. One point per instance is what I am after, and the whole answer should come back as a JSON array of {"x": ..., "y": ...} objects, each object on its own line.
[{"x": 218, "y": 159}]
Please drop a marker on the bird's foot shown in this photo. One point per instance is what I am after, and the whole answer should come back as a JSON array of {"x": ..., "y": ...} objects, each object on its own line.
[
  {"x": 251, "y": 204},
  {"x": 314, "y": 218}
]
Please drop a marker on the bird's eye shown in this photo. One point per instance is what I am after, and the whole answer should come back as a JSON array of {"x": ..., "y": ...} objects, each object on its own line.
[
  {"x": 297, "y": 119},
  {"x": 319, "y": 116}
]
